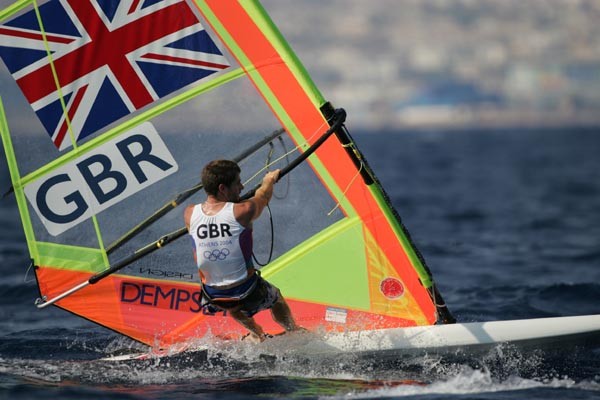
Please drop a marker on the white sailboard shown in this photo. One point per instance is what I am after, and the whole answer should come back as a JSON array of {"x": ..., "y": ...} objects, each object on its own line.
[{"x": 536, "y": 333}]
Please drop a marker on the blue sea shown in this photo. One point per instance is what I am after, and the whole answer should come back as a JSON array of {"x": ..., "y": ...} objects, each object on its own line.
[{"x": 507, "y": 220}]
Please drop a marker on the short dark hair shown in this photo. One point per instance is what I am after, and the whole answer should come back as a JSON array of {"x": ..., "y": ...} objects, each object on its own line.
[{"x": 217, "y": 172}]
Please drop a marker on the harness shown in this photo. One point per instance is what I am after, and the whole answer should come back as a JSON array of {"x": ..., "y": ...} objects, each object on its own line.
[{"x": 232, "y": 295}]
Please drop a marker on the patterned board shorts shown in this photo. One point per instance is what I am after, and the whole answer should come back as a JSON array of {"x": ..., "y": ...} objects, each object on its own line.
[{"x": 262, "y": 297}]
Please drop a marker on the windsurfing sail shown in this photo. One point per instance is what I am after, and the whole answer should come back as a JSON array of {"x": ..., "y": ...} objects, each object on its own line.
[{"x": 111, "y": 108}]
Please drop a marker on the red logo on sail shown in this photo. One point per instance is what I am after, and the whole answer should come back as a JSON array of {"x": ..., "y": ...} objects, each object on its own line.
[{"x": 391, "y": 288}]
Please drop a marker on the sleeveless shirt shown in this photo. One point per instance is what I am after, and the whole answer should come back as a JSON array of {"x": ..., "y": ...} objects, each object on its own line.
[{"x": 223, "y": 246}]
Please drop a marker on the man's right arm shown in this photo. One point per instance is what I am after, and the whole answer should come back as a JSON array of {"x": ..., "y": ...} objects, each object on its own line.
[{"x": 251, "y": 209}]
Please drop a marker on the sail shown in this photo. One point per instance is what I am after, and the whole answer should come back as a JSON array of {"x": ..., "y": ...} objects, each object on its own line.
[{"x": 111, "y": 109}]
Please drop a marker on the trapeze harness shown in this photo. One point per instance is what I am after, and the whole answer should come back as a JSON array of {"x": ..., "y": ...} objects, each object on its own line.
[{"x": 224, "y": 256}]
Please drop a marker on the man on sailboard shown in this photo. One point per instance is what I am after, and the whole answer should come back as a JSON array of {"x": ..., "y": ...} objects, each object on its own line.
[{"x": 221, "y": 229}]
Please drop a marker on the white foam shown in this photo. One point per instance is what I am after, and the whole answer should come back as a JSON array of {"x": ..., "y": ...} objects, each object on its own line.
[{"x": 472, "y": 381}]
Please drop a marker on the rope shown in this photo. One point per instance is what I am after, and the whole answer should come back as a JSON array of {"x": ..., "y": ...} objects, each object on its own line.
[
  {"x": 285, "y": 155},
  {"x": 287, "y": 187},
  {"x": 27, "y": 274},
  {"x": 272, "y": 241},
  {"x": 268, "y": 163}
]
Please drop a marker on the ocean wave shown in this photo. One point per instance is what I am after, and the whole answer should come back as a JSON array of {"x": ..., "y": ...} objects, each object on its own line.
[
  {"x": 524, "y": 301},
  {"x": 503, "y": 368},
  {"x": 476, "y": 381}
]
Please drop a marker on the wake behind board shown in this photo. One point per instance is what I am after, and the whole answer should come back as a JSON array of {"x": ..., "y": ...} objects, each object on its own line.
[{"x": 538, "y": 333}]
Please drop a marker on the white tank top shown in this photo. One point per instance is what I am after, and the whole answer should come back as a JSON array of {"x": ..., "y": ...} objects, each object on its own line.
[{"x": 223, "y": 246}]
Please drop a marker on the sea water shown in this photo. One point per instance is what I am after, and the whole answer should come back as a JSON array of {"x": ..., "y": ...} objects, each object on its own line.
[{"x": 508, "y": 221}]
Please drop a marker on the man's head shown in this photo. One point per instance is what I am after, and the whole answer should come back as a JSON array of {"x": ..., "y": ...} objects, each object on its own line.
[{"x": 222, "y": 172}]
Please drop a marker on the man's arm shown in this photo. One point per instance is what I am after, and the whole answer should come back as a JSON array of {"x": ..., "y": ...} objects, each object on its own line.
[
  {"x": 187, "y": 216},
  {"x": 249, "y": 210}
]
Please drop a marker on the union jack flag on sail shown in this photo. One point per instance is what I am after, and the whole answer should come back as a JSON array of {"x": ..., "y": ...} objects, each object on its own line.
[{"x": 111, "y": 58}]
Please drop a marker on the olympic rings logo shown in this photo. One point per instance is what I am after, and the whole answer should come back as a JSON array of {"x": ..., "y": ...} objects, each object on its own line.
[{"x": 216, "y": 254}]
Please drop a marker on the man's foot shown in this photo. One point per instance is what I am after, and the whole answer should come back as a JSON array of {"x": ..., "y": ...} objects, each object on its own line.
[
  {"x": 254, "y": 338},
  {"x": 299, "y": 329}
]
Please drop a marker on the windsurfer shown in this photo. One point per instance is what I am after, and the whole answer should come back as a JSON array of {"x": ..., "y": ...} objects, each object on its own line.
[{"x": 221, "y": 229}]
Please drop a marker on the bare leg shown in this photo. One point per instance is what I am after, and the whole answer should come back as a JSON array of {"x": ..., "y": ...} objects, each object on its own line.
[
  {"x": 283, "y": 316},
  {"x": 249, "y": 323}
]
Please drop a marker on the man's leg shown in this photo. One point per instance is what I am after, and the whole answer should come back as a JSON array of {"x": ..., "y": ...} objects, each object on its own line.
[
  {"x": 249, "y": 323},
  {"x": 283, "y": 315}
]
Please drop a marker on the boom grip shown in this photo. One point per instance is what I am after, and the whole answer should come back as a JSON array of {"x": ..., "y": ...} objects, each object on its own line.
[{"x": 340, "y": 118}]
